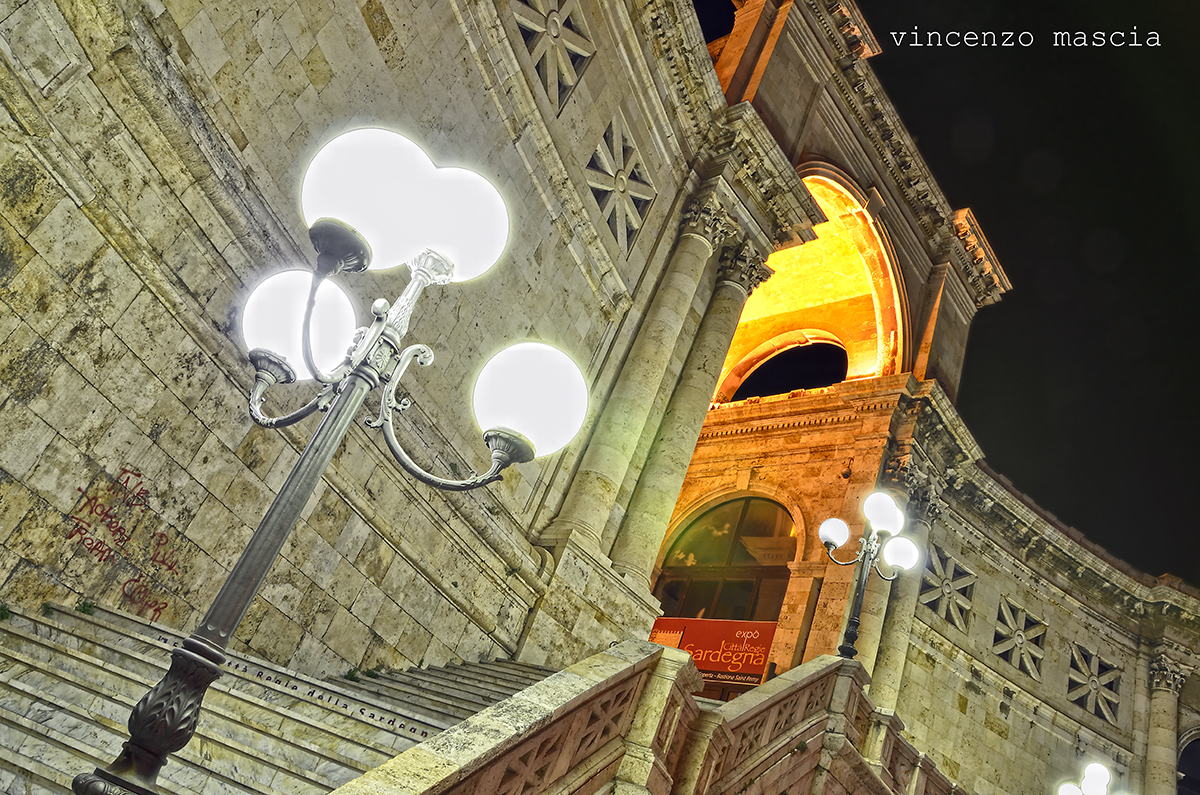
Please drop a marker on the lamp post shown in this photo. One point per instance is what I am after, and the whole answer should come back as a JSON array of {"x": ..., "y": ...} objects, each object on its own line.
[
  {"x": 1096, "y": 778},
  {"x": 884, "y": 521},
  {"x": 165, "y": 720}
]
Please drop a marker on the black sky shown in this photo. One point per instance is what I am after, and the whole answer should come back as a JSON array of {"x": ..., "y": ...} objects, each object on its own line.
[{"x": 1082, "y": 166}]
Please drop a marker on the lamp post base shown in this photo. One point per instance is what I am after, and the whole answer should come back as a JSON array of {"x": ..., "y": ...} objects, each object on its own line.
[{"x": 162, "y": 723}]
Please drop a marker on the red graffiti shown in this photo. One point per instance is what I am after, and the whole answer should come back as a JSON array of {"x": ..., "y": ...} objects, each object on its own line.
[
  {"x": 82, "y": 533},
  {"x": 133, "y": 495},
  {"x": 103, "y": 514},
  {"x": 138, "y": 594},
  {"x": 164, "y": 557}
]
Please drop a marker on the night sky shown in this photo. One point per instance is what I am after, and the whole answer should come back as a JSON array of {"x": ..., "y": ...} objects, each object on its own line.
[{"x": 1082, "y": 165}]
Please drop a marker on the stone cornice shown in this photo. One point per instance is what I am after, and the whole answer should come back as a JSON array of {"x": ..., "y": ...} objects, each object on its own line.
[
  {"x": 977, "y": 261},
  {"x": 848, "y": 42},
  {"x": 747, "y": 155},
  {"x": 857, "y": 37},
  {"x": 672, "y": 34},
  {"x": 1032, "y": 538}
]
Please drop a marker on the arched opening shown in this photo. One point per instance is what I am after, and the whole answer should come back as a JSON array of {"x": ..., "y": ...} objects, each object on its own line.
[
  {"x": 1189, "y": 769},
  {"x": 722, "y": 587},
  {"x": 811, "y": 366},
  {"x": 840, "y": 287}
]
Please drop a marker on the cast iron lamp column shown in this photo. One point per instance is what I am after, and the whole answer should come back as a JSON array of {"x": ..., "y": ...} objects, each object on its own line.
[
  {"x": 884, "y": 521},
  {"x": 165, "y": 720}
]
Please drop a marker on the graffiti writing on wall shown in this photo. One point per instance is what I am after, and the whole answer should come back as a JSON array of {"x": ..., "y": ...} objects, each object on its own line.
[{"x": 103, "y": 523}]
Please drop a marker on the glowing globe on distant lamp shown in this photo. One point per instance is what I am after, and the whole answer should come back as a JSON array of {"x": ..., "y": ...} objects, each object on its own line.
[
  {"x": 901, "y": 553},
  {"x": 833, "y": 533}
]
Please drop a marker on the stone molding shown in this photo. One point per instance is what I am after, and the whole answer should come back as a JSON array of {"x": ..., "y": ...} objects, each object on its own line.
[
  {"x": 495, "y": 55},
  {"x": 978, "y": 262},
  {"x": 745, "y": 152},
  {"x": 856, "y": 37},
  {"x": 673, "y": 36}
]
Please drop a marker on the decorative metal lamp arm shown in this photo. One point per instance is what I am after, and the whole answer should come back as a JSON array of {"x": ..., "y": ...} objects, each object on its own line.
[
  {"x": 271, "y": 369},
  {"x": 508, "y": 447},
  {"x": 879, "y": 571},
  {"x": 861, "y": 546}
]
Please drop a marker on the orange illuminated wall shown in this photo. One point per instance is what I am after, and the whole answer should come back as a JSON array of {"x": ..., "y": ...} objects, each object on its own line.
[{"x": 837, "y": 289}]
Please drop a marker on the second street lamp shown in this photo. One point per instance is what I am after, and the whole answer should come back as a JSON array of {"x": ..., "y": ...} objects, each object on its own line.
[
  {"x": 372, "y": 185},
  {"x": 884, "y": 522}
]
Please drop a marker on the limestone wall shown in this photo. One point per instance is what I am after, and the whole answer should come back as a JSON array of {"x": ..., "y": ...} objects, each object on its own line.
[
  {"x": 151, "y": 169},
  {"x": 1032, "y": 650}
]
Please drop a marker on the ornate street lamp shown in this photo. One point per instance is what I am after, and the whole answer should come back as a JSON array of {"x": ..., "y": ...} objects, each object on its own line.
[
  {"x": 518, "y": 390},
  {"x": 885, "y": 521},
  {"x": 1096, "y": 778}
]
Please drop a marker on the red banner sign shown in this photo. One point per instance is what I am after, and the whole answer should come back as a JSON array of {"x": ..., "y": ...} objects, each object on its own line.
[{"x": 724, "y": 651}]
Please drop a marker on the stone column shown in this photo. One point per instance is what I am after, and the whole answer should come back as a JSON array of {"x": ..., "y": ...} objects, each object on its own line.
[
  {"x": 888, "y": 671},
  {"x": 1162, "y": 754},
  {"x": 593, "y": 491},
  {"x": 636, "y": 547}
]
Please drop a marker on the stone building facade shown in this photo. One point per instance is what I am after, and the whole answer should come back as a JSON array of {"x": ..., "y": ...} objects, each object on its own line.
[{"x": 656, "y": 186}]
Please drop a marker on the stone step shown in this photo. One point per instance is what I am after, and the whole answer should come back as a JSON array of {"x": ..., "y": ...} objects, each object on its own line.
[
  {"x": 99, "y": 689},
  {"x": 394, "y": 727},
  {"x": 439, "y": 685},
  {"x": 526, "y": 672},
  {"x": 68, "y": 681},
  {"x": 445, "y": 710},
  {"x": 490, "y": 677},
  {"x": 76, "y": 722}
]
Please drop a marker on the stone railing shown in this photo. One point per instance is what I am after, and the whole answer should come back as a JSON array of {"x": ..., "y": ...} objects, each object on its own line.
[
  {"x": 568, "y": 728},
  {"x": 626, "y": 721},
  {"x": 903, "y": 769}
]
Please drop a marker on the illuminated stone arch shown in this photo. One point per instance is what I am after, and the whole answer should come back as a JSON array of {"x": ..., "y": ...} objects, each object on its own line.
[{"x": 843, "y": 288}]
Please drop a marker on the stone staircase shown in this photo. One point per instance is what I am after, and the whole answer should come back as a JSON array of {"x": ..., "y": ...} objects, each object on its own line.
[{"x": 69, "y": 680}]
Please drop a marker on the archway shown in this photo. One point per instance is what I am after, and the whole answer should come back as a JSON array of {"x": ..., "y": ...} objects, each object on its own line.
[
  {"x": 840, "y": 288},
  {"x": 722, "y": 588}
]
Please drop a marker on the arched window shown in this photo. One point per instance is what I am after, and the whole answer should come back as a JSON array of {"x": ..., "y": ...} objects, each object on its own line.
[
  {"x": 804, "y": 367},
  {"x": 1189, "y": 768},
  {"x": 730, "y": 563}
]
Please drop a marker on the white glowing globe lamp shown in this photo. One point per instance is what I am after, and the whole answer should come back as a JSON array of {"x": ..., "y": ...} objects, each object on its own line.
[
  {"x": 273, "y": 318},
  {"x": 900, "y": 552},
  {"x": 1069, "y": 789},
  {"x": 384, "y": 186},
  {"x": 535, "y": 390},
  {"x": 1095, "y": 779},
  {"x": 883, "y": 514},
  {"x": 833, "y": 533},
  {"x": 877, "y": 507}
]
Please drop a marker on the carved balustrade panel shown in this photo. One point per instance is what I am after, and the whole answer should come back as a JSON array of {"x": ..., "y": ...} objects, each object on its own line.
[
  {"x": 900, "y": 761},
  {"x": 554, "y": 751},
  {"x": 776, "y": 718},
  {"x": 858, "y": 718}
]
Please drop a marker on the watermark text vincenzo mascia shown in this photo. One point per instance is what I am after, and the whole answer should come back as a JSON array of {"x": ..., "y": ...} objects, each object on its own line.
[{"x": 1024, "y": 38}]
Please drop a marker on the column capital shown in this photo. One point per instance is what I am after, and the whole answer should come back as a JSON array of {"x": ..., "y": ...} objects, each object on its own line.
[
  {"x": 1167, "y": 673},
  {"x": 742, "y": 265},
  {"x": 704, "y": 217}
]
